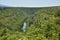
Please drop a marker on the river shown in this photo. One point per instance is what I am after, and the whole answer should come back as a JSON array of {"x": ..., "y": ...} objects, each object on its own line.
[{"x": 24, "y": 27}]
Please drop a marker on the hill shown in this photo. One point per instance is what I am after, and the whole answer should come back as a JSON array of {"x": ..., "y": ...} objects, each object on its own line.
[{"x": 42, "y": 23}]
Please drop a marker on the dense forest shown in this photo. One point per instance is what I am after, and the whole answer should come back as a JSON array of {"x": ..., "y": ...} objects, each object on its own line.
[{"x": 42, "y": 23}]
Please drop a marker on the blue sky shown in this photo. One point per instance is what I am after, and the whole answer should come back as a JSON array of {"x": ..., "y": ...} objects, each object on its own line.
[{"x": 30, "y": 3}]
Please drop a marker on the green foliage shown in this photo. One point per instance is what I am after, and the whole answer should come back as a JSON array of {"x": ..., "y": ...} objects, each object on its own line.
[{"x": 42, "y": 23}]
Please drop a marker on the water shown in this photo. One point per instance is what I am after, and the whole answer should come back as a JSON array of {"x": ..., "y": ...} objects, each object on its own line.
[{"x": 24, "y": 27}]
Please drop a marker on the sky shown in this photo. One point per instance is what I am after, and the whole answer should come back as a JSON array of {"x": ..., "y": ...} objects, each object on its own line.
[{"x": 30, "y": 3}]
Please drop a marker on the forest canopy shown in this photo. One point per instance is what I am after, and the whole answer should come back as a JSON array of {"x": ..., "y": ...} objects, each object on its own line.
[{"x": 41, "y": 23}]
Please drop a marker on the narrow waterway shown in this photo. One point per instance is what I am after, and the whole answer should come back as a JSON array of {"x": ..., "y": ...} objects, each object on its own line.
[{"x": 24, "y": 27}]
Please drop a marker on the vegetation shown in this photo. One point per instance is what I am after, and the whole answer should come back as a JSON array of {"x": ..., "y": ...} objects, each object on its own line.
[{"x": 42, "y": 23}]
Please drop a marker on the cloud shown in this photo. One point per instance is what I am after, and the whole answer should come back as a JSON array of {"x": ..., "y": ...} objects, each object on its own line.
[{"x": 31, "y": 3}]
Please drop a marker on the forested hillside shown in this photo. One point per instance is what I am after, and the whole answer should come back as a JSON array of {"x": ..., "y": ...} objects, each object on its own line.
[{"x": 42, "y": 23}]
